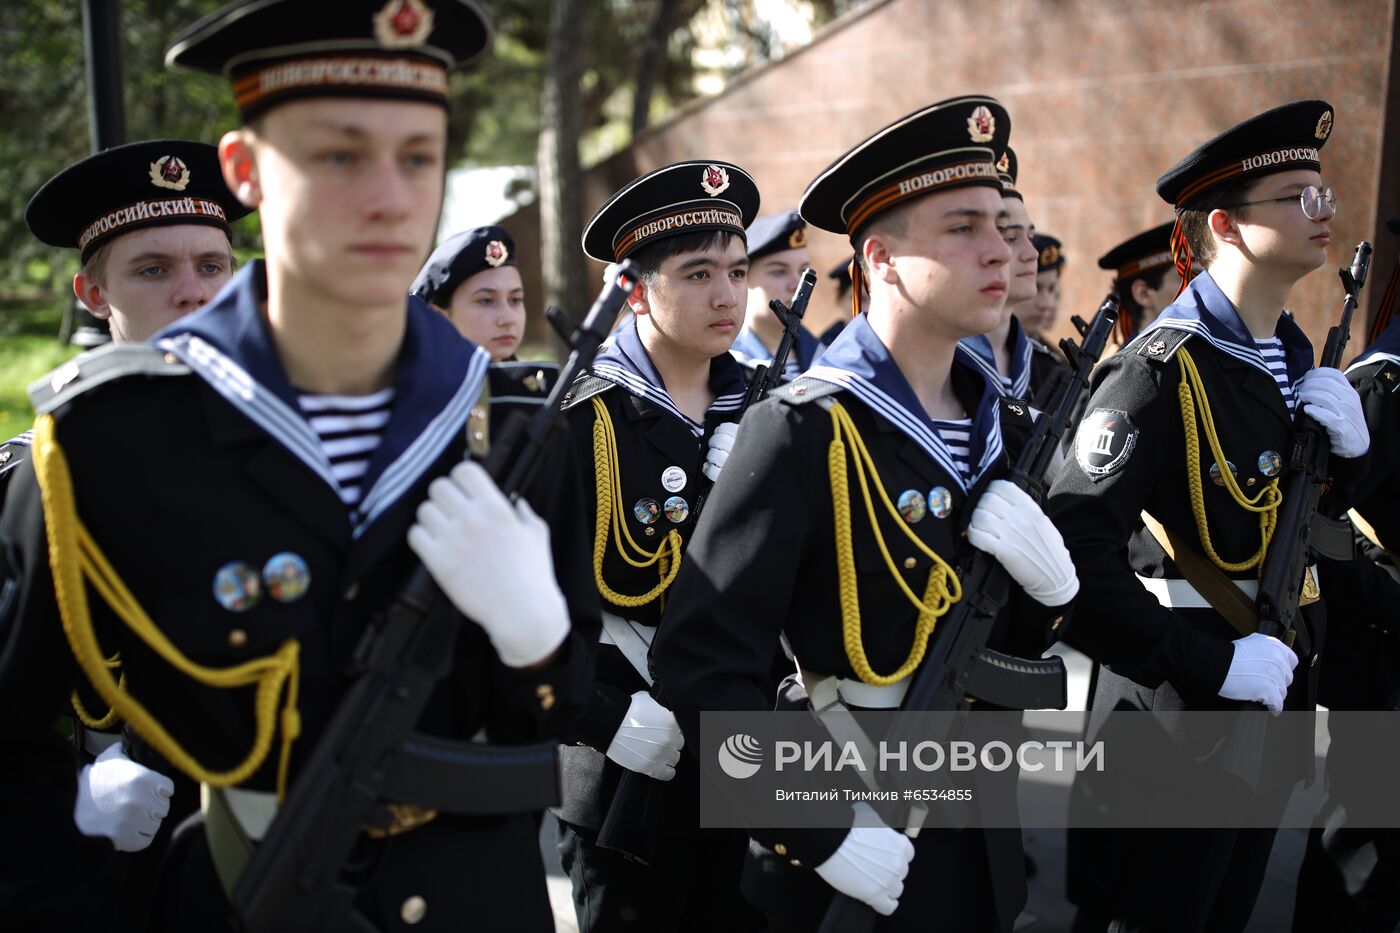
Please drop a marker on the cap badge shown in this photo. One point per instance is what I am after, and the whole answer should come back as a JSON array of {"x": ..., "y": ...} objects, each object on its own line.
[
  {"x": 1003, "y": 164},
  {"x": 1050, "y": 255},
  {"x": 403, "y": 24},
  {"x": 170, "y": 172},
  {"x": 496, "y": 253},
  {"x": 715, "y": 180},
  {"x": 797, "y": 238},
  {"x": 981, "y": 125},
  {"x": 1324, "y": 125}
]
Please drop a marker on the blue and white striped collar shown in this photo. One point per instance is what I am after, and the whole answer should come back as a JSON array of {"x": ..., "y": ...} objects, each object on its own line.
[
  {"x": 977, "y": 350},
  {"x": 23, "y": 439},
  {"x": 1385, "y": 347},
  {"x": 751, "y": 351},
  {"x": 438, "y": 378},
  {"x": 1204, "y": 310},
  {"x": 859, "y": 362},
  {"x": 624, "y": 362}
]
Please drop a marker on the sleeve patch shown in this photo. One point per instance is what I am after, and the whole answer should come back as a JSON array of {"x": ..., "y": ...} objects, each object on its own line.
[{"x": 1104, "y": 442}]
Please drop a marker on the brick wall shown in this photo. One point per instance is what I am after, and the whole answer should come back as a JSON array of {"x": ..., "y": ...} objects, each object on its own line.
[{"x": 1103, "y": 94}]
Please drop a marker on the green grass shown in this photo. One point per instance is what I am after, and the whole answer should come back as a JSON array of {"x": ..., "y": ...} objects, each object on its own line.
[{"x": 24, "y": 358}]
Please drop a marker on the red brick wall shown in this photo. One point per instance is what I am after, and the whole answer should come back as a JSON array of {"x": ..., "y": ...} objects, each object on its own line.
[{"x": 1103, "y": 97}]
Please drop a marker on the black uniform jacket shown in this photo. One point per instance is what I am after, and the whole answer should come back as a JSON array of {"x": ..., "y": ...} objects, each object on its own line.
[
  {"x": 1130, "y": 456},
  {"x": 659, "y": 455},
  {"x": 12, "y": 453},
  {"x": 1032, "y": 363},
  {"x": 230, "y": 474},
  {"x": 764, "y": 563}
]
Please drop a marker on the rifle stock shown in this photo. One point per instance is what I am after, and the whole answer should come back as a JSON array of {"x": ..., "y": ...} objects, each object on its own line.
[
  {"x": 291, "y": 882},
  {"x": 629, "y": 826},
  {"x": 959, "y": 654},
  {"x": 1304, "y": 479}
]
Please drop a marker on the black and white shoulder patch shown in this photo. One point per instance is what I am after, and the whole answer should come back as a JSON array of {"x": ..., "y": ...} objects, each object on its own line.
[
  {"x": 99, "y": 367},
  {"x": 1104, "y": 442},
  {"x": 803, "y": 390},
  {"x": 1161, "y": 344}
]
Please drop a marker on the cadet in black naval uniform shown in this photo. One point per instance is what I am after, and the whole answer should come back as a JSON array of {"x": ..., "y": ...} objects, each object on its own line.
[
  {"x": 299, "y": 423},
  {"x": 1144, "y": 277},
  {"x": 1350, "y": 876},
  {"x": 152, "y": 270},
  {"x": 1007, "y": 352},
  {"x": 655, "y": 418},
  {"x": 1252, "y": 210},
  {"x": 472, "y": 278},
  {"x": 777, "y": 258},
  {"x": 921, "y": 204}
]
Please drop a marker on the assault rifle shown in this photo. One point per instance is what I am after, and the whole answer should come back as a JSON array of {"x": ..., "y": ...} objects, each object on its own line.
[
  {"x": 629, "y": 826},
  {"x": 370, "y": 753},
  {"x": 1301, "y": 531},
  {"x": 959, "y": 667}
]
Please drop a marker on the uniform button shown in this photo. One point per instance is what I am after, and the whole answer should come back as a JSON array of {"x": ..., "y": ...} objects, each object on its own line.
[
  {"x": 1249, "y": 482},
  {"x": 910, "y": 563},
  {"x": 352, "y": 591},
  {"x": 795, "y": 863},
  {"x": 1055, "y": 626},
  {"x": 171, "y": 358},
  {"x": 546, "y": 694},
  {"x": 413, "y": 910},
  {"x": 237, "y": 638},
  {"x": 1314, "y": 660},
  {"x": 780, "y": 849}
]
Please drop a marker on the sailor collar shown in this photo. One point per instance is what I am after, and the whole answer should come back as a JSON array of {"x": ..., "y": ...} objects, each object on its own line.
[
  {"x": 438, "y": 378},
  {"x": 624, "y": 362},
  {"x": 859, "y": 362},
  {"x": 977, "y": 350},
  {"x": 751, "y": 351},
  {"x": 1204, "y": 310},
  {"x": 1385, "y": 347}
]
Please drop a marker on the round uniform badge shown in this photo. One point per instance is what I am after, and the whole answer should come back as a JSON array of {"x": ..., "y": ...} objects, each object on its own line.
[
  {"x": 1270, "y": 463},
  {"x": 677, "y": 509},
  {"x": 940, "y": 501},
  {"x": 673, "y": 479},
  {"x": 646, "y": 511},
  {"x": 912, "y": 505},
  {"x": 286, "y": 577},
  {"x": 1215, "y": 473},
  {"x": 237, "y": 586},
  {"x": 1104, "y": 442}
]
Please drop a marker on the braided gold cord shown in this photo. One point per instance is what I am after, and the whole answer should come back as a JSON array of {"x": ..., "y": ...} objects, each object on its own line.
[
  {"x": 75, "y": 558},
  {"x": 942, "y": 590},
  {"x": 607, "y": 481},
  {"x": 1265, "y": 504}
]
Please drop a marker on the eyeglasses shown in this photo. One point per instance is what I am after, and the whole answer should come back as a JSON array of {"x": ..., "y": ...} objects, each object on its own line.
[{"x": 1314, "y": 201}]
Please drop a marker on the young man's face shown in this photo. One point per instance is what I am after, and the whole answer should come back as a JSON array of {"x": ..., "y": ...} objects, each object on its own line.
[
  {"x": 1039, "y": 315},
  {"x": 1024, "y": 255},
  {"x": 350, "y": 192},
  {"x": 953, "y": 260},
  {"x": 695, "y": 302},
  {"x": 775, "y": 276},
  {"x": 489, "y": 310},
  {"x": 1278, "y": 233},
  {"x": 1156, "y": 300},
  {"x": 155, "y": 276}
]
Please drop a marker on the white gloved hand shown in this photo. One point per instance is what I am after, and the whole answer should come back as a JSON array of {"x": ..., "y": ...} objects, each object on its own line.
[
  {"x": 1260, "y": 671},
  {"x": 121, "y": 800},
  {"x": 721, "y": 443},
  {"x": 1008, "y": 525},
  {"x": 1325, "y": 395},
  {"x": 492, "y": 559},
  {"x": 649, "y": 741},
  {"x": 871, "y": 863}
]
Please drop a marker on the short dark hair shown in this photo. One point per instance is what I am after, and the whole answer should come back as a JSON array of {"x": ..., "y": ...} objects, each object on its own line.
[
  {"x": 1195, "y": 219},
  {"x": 1124, "y": 287},
  {"x": 650, "y": 257}
]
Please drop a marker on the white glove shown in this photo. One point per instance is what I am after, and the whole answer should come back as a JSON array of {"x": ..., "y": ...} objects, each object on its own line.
[
  {"x": 870, "y": 864},
  {"x": 121, "y": 800},
  {"x": 1326, "y": 396},
  {"x": 721, "y": 443},
  {"x": 1008, "y": 525},
  {"x": 1260, "y": 671},
  {"x": 492, "y": 559},
  {"x": 649, "y": 741}
]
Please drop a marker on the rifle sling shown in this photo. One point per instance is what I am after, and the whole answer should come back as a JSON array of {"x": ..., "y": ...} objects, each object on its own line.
[{"x": 1216, "y": 588}]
